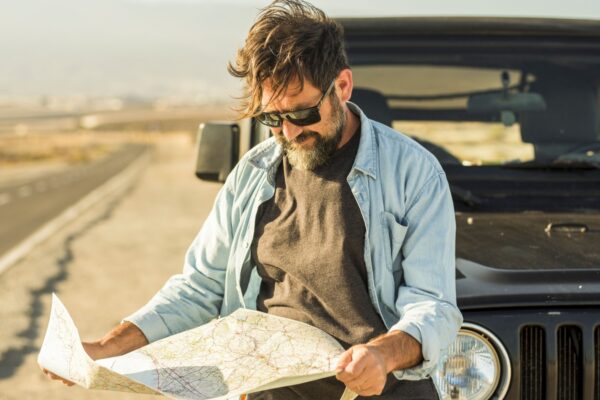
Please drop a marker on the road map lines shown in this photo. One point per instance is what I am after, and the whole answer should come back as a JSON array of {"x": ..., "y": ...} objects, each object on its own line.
[{"x": 245, "y": 352}]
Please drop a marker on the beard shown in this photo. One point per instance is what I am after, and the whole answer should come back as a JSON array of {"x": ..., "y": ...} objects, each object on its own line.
[{"x": 324, "y": 144}]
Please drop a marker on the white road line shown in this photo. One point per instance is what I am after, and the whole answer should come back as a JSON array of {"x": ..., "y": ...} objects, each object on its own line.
[
  {"x": 4, "y": 198},
  {"x": 105, "y": 192},
  {"x": 24, "y": 191}
]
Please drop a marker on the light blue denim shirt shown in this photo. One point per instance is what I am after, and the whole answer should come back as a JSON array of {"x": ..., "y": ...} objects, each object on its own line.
[{"x": 404, "y": 198}]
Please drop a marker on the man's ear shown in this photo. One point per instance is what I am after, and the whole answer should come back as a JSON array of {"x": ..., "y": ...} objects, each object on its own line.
[{"x": 344, "y": 85}]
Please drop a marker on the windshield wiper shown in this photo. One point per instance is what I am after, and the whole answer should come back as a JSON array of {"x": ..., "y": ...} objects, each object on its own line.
[
  {"x": 577, "y": 164},
  {"x": 556, "y": 164}
]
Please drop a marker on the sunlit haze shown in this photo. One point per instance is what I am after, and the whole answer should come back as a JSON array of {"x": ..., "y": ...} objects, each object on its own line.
[{"x": 176, "y": 50}]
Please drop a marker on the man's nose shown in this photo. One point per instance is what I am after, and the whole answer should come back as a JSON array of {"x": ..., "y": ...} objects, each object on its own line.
[{"x": 290, "y": 131}]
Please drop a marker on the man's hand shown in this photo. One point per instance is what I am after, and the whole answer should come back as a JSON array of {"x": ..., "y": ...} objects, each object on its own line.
[
  {"x": 55, "y": 377},
  {"x": 364, "y": 368},
  {"x": 93, "y": 349},
  {"x": 122, "y": 339}
]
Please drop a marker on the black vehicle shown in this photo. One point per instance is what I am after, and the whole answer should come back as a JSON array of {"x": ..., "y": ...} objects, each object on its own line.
[{"x": 510, "y": 108}]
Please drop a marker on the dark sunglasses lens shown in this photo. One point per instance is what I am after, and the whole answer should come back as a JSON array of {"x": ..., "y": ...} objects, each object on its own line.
[
  {"x": 269, "y": 119},
  {"x": 304, "y": 117}
]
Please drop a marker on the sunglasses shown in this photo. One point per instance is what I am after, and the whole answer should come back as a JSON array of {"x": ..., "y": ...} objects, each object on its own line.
[{"x": 306, "y": 116}]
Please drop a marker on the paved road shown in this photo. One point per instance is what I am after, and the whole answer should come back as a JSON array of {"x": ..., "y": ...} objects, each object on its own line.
[
  {"x": 104, "y": 265},
  {"x": 28, "y": 205}
]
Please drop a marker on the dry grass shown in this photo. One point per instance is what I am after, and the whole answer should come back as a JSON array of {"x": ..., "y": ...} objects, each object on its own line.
[
  {"x": 35, "y": 149},
  {"x": 68, "y": 148}
]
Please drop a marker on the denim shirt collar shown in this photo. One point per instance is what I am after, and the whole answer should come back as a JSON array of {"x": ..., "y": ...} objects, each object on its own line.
[
  {"x": 270, "y": 155},
  {"x": 366, "y": 155}
]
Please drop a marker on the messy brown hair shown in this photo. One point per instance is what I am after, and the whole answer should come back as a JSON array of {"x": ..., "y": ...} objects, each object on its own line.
[{"x": 290, "y": 39}]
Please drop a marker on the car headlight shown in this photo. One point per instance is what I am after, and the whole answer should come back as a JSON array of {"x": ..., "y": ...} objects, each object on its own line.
[{"x": 475, "y": 367}]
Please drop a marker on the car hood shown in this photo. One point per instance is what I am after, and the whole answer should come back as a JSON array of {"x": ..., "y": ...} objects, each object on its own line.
[{"x": 527, "y": 259}]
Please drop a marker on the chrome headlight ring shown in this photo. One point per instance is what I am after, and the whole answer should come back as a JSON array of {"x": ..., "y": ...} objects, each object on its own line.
[{"x": 479, "y": 359}]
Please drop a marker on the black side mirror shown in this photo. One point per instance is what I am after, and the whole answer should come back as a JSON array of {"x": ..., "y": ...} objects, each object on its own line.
[{"x": 218, "y": 150}]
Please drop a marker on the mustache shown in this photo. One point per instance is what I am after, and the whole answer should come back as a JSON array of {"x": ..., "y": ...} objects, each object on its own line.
[{"x": 297, "y": 140}]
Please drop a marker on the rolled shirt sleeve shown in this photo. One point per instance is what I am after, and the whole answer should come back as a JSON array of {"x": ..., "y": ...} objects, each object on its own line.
[
  {"x": 426, "y": 299},
  {"x": 193, "y": 297}
]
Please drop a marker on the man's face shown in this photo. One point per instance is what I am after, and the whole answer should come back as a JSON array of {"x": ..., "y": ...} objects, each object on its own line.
[{"x": 310, "y": 146}]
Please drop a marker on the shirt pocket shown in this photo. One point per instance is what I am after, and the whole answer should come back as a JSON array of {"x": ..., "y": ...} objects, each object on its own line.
[{"x": 394, "y": 234}]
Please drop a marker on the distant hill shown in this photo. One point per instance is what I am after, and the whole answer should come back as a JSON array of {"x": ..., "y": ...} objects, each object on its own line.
[
  {"x": 115, "y": 47},
  {"x": 176, "y": 48}
]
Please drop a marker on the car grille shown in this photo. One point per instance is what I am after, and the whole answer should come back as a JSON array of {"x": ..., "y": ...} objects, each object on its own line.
[
  {"x": 566, "y": 348},
  {"x": 533, "y": 362},
  {"x": 570, "y": 363}
]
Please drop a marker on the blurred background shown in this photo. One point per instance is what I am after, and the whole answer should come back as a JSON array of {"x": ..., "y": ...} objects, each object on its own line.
[{"x": 100, "y": 101}]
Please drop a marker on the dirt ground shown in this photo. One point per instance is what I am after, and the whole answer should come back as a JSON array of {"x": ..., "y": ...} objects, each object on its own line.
[{"x": 103, "y": 266}]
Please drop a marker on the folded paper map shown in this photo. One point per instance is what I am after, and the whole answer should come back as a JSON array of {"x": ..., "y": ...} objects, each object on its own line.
[{"x": 245, "y": 352}]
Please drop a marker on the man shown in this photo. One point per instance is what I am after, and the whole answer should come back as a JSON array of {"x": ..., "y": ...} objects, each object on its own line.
[{"x": 337, "y": 221}]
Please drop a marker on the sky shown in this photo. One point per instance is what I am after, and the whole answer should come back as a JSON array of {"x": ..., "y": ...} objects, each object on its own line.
[{"x": 178, "y": 48}]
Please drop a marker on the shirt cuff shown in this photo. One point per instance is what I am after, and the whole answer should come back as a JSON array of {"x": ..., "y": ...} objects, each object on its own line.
[
  {"x": 150, "y": 323},
  {"x": 429, "y": 349}
]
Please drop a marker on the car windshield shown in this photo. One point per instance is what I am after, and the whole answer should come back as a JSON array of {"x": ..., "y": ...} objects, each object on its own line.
[{"x": 509, "y": 139}]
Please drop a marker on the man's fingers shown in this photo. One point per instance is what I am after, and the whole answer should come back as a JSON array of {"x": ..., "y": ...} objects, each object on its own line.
[
  {"x": 345, "y": 359},
  {"x": 353, "y": 371},
  {"x": 55, "y": 377},
  {"x": 365, "y": 385},
  {"x": 357, "y": 383},
  {"x": 356, "y": 366},
  {"x": 364, "y": 374},
  {"x": 362, "y": 387},
  {"x": 369, "y": 391}
]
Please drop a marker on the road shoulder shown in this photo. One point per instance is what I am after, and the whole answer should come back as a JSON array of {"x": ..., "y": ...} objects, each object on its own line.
[{"x": 104, "y": 265}]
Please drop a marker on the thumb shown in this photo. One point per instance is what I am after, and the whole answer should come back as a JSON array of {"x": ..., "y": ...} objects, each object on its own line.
[{"x": 344, "y": 360}]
